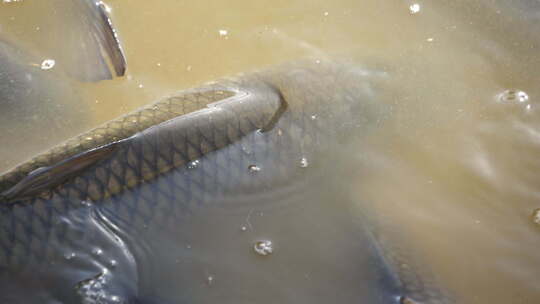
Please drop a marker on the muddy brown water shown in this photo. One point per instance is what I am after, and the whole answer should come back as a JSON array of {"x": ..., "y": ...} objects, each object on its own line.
[{"x": 455, "y": 164}]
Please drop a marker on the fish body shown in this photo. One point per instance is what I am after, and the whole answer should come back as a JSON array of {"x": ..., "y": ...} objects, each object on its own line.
[{"x": 150, "y": 208}]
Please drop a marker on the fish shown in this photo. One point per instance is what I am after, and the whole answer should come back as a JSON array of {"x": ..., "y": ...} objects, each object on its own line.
[
  {"x": 79, "y": 36},
  {"x": 47, "y": 48},
  {"x": 170, "y": 203}
]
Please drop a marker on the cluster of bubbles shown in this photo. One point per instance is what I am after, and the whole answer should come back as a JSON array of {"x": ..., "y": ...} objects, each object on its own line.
[
  {"x": 193, "y": 164},
  {"x": 92, "y": 290},
  {"x": 47, "y": 64},
  {"x": 263, "y": 247},
  {"x": 513, "y": 96},
  {"x": 304, "y": 162},
  {"x": 414, "y": 8}
]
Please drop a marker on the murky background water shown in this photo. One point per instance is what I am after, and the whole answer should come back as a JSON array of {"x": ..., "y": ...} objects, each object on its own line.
[{"x": 455, "y": 164}]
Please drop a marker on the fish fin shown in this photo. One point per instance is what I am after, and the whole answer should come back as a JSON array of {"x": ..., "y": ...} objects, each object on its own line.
[
  {"x": 179, "y": 104},
  {"x": 416, "y": 282},
  {"x": 45, "y": 178},
  {"x": 81, "y": 39},
  {"x": 279, "y": 112},
  {"x": 108, "y": 39},
  {"x": 95, "y": 48}
]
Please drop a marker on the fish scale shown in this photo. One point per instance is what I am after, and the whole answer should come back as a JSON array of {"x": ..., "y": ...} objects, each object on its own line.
[
  {"x": 146, "y": 181},
  {"x": 118, "y": 129}
]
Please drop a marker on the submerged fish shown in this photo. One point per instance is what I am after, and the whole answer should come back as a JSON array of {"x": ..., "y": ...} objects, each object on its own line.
[
  {"x": 165, "y": 205},
  {"x": 45, "y": 48},
  {"x": 75, "y": 36}
]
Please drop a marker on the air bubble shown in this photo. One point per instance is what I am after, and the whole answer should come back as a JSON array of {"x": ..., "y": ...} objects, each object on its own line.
[
  {"x": 313, "y": 117},
  {"x": 115, "y": 299},
  {"x": 86, "y": 203},
  {"x": 224, "y": 33},
  {"x": 414, "y": 8},
  {"x": 513, "y": 96},
  {"x": 254, "y": 168},
  {"x": 47, "y": 64},
  {"x": 536, "y": 216},
  {"x": 92, "y": 289},
  {"x": 243, "y": 228},
  {"x": 210, "y": 280},
  {"x": 70, "y": 255},
  {"x": 246, "y": 149},
  {"x": 97, "y": 251},
  {"x": 263, "y": 247},
  {"x": 193, "y": 164},
  {"x": 113, "y": 263},
  {"x": 304, "y": 162}
]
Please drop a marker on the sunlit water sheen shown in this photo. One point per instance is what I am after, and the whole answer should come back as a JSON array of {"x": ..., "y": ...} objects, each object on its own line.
[{"x": 455, "y": 165}]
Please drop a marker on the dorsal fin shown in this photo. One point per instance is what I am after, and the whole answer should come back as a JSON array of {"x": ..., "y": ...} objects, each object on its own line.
[
  {"x": 45, "y": 178},
  {"x": 178, "y": 104}
]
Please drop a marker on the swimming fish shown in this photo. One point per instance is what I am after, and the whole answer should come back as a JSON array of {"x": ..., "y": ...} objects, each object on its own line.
[
  {"x": 77, "y": 37},
  {"x": 46, "y": 49},
  {"x": 165, "y": 205}
]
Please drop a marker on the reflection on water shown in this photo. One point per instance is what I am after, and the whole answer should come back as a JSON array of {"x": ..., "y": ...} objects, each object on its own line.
[{"x": 453, "y": 166}]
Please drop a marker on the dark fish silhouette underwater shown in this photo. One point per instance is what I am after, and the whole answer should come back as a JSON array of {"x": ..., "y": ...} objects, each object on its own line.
[{"x": 166, "y": 204}]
